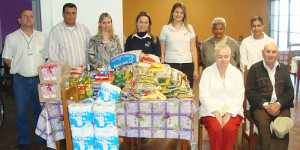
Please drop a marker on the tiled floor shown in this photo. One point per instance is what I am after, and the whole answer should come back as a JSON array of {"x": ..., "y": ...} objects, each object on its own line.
[{"x": 9, "y": 134}]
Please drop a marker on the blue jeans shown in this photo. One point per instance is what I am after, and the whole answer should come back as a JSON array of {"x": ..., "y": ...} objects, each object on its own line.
[{"x": 25, "y": 90}]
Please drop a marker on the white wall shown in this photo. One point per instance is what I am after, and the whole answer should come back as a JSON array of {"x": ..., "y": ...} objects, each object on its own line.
[{"x": 88, "y": 12}]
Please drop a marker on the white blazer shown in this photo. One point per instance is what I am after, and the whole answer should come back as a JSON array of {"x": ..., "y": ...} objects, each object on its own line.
[{"x": 214, "y": 95}]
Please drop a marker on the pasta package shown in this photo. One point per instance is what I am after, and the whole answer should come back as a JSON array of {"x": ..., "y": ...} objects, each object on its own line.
[{"x": 149, "y": 58}]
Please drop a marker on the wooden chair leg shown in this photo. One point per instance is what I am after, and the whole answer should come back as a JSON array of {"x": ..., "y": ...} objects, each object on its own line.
[
  {"x": 200, "y": 135},
  {"x": 297, "y": 85},
  {"x": 179, "y": 145},
  {"x": 185, "y": 144},
  {"x": 57, "y": 144},
  {"x": 243, "y": 136},
  {"x": 131, "y": 143},
  {"x": 139, "y": 143}
]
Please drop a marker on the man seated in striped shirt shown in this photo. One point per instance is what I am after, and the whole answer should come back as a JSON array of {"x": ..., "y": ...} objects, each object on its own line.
[{"x": 69, "y": 40}]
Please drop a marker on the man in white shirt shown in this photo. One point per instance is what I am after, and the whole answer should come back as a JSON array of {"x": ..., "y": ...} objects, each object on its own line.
[
  {"x": 270, "y": 94},
  {"x": 69, "y": 40},
  {"x": 24, "y": 51}
]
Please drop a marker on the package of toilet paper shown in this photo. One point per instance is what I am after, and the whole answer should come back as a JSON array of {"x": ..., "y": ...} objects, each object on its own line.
[
  {"x": 83, "y": 140},
  {"x": 104, "y": 116},
  {"x": 106, "y": 140},
  {"x": 87, "y": 100},
  {"x": 81, "y": 116},
  {"x": 108, "y": 93}
]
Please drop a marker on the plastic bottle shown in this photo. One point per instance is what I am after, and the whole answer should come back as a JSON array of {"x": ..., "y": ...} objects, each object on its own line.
[
  {"x": 81, "y": 88},
  {"x": 88, "y": 86}
]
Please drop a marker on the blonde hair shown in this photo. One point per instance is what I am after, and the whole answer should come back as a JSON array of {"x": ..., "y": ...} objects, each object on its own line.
[
  {"x": 143, "y": 13},
  {"x": 111, "y": 31},
  {"x": 185, "y": 20}
]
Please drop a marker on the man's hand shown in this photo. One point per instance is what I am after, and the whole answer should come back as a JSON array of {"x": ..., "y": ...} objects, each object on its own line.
[
  {"x": 225, "y": 119},
  {"x": 274, "y": 109},
  {"x": 218, "y": 116}
]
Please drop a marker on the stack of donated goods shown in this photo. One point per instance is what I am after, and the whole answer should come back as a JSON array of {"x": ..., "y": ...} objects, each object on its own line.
[
  {"x": 143, "y": 77},
  {"x": 93, "y": 122},
  {"x": 52, "y": 76}
]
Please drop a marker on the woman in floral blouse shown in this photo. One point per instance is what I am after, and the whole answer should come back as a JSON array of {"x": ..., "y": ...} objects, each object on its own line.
[{"x": 105, "y": 44}]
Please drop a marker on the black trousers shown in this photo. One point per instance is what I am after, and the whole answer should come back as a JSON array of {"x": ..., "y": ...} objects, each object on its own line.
[{"x": 187, "y": 68}]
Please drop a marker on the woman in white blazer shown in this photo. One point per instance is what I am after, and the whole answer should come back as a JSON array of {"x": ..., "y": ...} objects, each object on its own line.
[{"x": 221, "y": 93}]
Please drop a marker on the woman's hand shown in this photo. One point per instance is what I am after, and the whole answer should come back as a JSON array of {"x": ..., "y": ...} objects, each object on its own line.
[
  {"x": 225, "y": 119},
  {"x": 218, "y": 116},
  {"x": 196, "y": 74}
]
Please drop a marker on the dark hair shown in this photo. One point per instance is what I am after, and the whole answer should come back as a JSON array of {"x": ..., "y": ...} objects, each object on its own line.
[
  {"x": 70, "y": 5},
  {"x": 22, "y": 11},
  {"x": 257, "y": 18},
  {"x": 144, "y": 13}
]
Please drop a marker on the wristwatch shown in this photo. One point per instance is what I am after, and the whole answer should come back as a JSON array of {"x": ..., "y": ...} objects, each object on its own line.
[
  {"x": 278, "y": 104},
  {"x": 265, "y": 104}
]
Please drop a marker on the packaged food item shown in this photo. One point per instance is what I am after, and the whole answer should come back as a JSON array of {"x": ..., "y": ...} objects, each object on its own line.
[
  {"x": 149, "y": 58},
  {"x": 88, "y": 86},
  {"x": 144, "y": 65},
  {"x": 45, "y": 90},
  {"x": 108, "y": 93},
  {"x": 53, "y": 90},
  {"x": 125, "y": 58},
  {"x": 45, "y": 72},
  {"x": 81, "y": 88},
  {"x": 149, "y": 97},
  {"x": 53, "y": 72}
]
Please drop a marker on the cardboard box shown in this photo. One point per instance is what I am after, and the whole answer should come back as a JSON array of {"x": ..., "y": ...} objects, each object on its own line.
[
  {"x": 54, "y": 72},
  {"x": 50, "y": 92}
]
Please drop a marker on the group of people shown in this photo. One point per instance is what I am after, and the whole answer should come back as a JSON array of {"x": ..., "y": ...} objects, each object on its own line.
[{"x": 269, "y": 88}]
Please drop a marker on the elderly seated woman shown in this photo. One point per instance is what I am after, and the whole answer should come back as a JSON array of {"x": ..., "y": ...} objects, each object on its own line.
[{"x": 221, "y": 93}]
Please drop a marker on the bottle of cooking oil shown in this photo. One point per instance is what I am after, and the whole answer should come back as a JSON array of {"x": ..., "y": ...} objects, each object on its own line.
[
  {"x": 88, "y": 86},
  {"x": 81, "y": 88}
]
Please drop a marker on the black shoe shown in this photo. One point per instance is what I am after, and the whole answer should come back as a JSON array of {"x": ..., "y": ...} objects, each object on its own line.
[
  {"x": 21, "y": 147},
  {"x": 44, "y": 143},
  {"x": 144, "y": 140}
]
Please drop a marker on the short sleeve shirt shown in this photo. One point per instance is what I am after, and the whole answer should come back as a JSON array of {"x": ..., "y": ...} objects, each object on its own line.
[
  {"x": 26, "y": 53},
  {"x": 177, "y": 43}
]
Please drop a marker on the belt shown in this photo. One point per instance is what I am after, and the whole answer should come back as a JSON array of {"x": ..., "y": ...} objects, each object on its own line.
[{"x": 27, "y": 77}]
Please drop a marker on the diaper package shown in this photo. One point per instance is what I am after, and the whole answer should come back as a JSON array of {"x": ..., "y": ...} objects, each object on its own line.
[
  {"x": 81, "y": 116},
  {"x": 83, "y": 140},
  {"x": 104, "y": 116},
  {"x": 108, "y": 93},
  {"x": 106, "y": 140}
]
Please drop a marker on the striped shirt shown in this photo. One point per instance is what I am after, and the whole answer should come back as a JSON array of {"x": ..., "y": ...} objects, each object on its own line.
[{"x": 70, "y": 45}]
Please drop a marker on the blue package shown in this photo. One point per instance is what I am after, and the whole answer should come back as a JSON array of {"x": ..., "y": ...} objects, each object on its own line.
[
  {"x": 106, "y": 140},
  {"x": 81, "y": 116},
  {"x": 104, "y": 116},
  {"x": 108, "y": 93},
  {"x": 124, "y": 59},
  {"x": 83, "y": 140}
]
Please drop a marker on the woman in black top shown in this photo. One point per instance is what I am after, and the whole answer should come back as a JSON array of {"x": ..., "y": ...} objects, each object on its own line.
[{"x": 142, "y": 38}]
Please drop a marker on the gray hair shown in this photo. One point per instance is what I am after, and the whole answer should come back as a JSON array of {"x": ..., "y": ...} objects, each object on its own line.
[
  {"x": 218, "y": 20},
  {"x": 222, "y": 46},
  {"x": 270, "y": 43}
]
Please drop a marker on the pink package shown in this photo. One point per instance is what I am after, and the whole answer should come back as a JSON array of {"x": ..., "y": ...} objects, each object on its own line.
[
  {"x": 45, "y": 72},
  {"x": 52, "y": 90},
  {"x": 45, "y": 90},
  {"x": 53, "y": 71}
]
